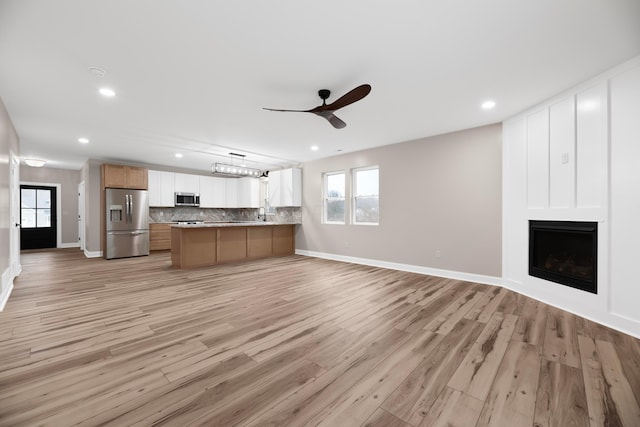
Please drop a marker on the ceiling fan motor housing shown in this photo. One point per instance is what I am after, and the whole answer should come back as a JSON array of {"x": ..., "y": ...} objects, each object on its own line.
[{"x": 324, "y": 93}]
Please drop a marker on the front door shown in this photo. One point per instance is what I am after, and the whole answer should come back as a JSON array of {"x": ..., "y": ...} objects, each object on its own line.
[{"x": 37, "y": 217}]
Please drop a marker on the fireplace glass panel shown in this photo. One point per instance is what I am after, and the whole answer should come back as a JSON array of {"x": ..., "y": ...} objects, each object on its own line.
[{"x": 564, "y": 252}]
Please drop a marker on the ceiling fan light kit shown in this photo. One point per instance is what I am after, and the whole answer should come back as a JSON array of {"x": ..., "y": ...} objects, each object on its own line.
[{"x": 326, "y": 110}]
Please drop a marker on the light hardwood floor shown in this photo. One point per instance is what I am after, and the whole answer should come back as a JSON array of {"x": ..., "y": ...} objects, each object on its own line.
[{"x": 297, "y": 341}]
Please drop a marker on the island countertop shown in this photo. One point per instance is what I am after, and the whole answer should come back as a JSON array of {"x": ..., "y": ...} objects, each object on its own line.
[
  {"x": 207, "y": 244},
  {"x": 231, "y": 224}
]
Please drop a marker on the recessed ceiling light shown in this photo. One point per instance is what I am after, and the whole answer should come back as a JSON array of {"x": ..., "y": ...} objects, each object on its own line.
[
  {"x": 105, "y": 91},
  {"x": 179, "y": 155},
  {"x": 314, "y": 148},
  {"x": 83, "y": 140},
  {"x": 487, "y": 105}
]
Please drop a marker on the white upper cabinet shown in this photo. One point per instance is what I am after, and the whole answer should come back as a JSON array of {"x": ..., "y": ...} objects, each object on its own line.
[
  {"x": 248, "y": 192},
  {"x": 213, "y": 192},
  {"x": 274, "y": 188},
  {"x": 285, "y": 187},
  {"x": 185, "y": 183},
  {"x": 231, "y": 185},
  {"x": 161, "y": 189}
]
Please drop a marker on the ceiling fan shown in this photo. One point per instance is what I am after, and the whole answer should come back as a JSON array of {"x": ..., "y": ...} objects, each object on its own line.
[{"x": 326, "y": 110}]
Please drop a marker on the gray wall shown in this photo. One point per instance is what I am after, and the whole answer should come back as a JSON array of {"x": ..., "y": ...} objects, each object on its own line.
[
  {"x": 90, "y": 174},
  {"x": 68, "y": 180},
  {"x": 441, "y": 193},
  {"x": 8, "y": 141}
]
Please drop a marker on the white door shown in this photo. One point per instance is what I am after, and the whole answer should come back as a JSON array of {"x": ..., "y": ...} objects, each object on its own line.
[
  {"x": 81, "y": 207},
  {"x": 14, "y": 234}
]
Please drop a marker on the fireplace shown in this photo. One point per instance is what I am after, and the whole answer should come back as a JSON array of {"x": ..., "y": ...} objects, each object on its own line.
[{"x": 565, "y": 252}]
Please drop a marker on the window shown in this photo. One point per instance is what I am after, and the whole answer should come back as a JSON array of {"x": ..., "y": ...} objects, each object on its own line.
[
  {"x": 334, "y": 205},
  {"x": 365, "y": 196},
  {"x": 35, "y": 208}
]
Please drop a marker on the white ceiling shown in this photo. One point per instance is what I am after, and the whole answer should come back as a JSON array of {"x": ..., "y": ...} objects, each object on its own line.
[{"x": 192, "y": 76}]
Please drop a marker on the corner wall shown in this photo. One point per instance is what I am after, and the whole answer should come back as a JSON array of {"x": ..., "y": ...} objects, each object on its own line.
[
  {"x": 90, "y": 174},
  {"x": 441, "y": 193},
  {"x": 575, "y": 158}
]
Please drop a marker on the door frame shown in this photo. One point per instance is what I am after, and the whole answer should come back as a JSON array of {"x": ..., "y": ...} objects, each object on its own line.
[
  {"x": 81, "y": 212},
  {"x": 58, "y": 207},
  {"x": 15, "y": 267}
]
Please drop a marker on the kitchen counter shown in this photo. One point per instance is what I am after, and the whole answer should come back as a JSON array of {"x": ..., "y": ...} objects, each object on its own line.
[
  {"x": 230, "y": 224},
  {"x": 207, "y": 244}
]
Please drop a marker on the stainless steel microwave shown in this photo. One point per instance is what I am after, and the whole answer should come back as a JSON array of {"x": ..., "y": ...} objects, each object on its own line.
[{"x": 187, "y": 199}]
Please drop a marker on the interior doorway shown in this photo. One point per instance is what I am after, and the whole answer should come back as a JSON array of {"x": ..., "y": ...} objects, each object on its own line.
[{"x": 38, "y": 217}]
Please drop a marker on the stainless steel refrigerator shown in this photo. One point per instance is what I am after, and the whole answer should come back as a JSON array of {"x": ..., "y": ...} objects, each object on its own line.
[{"x": 127, "y": 223}]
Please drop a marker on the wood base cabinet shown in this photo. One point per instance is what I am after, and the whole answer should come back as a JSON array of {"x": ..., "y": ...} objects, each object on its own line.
[
  {"x": 193, "y": 247},
  {"x": 159, "y": 237},
  {"x": 211, "y": 245}
]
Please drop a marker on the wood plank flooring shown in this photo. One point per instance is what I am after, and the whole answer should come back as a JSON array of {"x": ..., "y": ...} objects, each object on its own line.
[{"x": 297, "y": 341}]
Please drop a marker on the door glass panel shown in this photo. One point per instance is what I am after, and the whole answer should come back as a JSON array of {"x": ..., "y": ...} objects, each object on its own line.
[
  {"x": 44, "y": 199},
  {"x": 28, "y": 198},
  {"x": 44, "y": 218},
  {"x": 28, "y": 218},
  {"x": 36, "y": 208}
]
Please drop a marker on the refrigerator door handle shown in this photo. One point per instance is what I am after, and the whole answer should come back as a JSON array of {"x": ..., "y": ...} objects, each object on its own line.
[{"x": 128, "y": 198}]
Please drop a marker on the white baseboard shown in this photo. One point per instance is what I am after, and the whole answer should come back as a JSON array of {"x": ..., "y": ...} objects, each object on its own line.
[
  {"x": 92, "y": 254},
  {"x": 6, "y": 287},
  {"x": 468, "y": 277},
  {"x": 69, "y": 245}
]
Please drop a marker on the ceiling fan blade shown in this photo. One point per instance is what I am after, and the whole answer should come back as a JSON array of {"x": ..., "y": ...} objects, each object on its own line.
[
  {"x": 348, "y": 98},
  {"x": 290, "y": 111},
  {"x": 332, "y": 118},
  {"x": 326, "y": 110}
]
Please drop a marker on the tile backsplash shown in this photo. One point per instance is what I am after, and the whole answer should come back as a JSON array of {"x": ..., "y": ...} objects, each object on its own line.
[{"x": 185, "y": 213}]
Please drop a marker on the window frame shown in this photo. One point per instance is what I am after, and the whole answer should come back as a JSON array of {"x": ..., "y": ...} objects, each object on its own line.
[
  {"x": 354, "y": 195},
  {"x": 325, "y": 197}
]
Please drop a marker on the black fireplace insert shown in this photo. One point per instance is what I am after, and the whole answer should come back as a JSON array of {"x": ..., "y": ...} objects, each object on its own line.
[{"x": 565, "y": 252}]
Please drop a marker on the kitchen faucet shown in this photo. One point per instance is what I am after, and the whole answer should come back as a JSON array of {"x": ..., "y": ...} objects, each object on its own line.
[{"x": 261, "y": 212}]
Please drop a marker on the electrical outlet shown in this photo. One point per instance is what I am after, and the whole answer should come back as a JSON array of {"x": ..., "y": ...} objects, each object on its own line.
[{"x": 438, "y": 253}]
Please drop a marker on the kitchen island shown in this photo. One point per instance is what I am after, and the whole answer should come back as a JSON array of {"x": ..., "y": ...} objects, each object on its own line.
[{"x": 200, "y": 245}]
